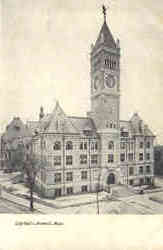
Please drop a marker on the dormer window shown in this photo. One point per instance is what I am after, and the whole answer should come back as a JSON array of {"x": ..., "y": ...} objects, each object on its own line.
[{"x": 87, "y": 132}]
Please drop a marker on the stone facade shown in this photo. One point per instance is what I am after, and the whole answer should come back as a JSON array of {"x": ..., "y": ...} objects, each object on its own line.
[{"x": 86, "y": 153}]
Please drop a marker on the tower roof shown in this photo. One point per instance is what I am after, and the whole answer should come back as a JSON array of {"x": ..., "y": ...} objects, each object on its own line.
[{"x": 105, "y": 38}]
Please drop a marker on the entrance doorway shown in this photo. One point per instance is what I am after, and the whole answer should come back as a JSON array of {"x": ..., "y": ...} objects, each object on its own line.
[{"x": 111, "y": 179}]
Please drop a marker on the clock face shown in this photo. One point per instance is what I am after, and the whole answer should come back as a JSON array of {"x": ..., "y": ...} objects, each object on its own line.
[
  {"x": 96, "y": 83},
  {"x": 109, "y": 81}
]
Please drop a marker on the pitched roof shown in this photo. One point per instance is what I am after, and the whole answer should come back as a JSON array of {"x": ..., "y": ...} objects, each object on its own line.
[
  {"x": 136, "y": 126},
  {"x": 16, "y": 129},
  {"x": 32, "y": 125},
  {"x": 105, "y": 37},
  {"x": 59, "y": 122},
  {"x": 82, "y": 123}
]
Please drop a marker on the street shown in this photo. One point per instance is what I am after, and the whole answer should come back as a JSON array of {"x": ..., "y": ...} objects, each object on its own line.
[
  {"x": 11, "y": 208},
  {"x": 123, "y": 201}
]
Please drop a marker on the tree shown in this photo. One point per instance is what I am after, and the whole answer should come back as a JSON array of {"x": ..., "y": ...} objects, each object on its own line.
[
  {"x": 29, "y": 164},
  {"x": 31, "y": 167}
]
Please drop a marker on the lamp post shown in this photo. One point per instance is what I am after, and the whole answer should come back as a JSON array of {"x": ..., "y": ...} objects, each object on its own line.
[{"x": 97, "y": 193}]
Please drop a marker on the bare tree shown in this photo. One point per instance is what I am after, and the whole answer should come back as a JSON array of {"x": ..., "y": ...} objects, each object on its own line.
[
  {"x": 31, "y": 167},
  {"x": 25, "y": 161}
]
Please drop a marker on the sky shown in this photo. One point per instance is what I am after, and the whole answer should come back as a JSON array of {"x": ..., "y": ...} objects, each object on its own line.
[{"x": 45, "y": 56}]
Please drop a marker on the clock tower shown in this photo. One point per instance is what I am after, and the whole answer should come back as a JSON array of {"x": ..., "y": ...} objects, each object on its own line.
[{"x": 105, "y": 80}]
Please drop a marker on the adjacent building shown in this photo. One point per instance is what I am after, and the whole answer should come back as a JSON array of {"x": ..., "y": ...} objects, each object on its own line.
[
  {"x": 16, "y": 133},
  {"x": 99, "y": 149},
  {"x": 158, "y": 163}
]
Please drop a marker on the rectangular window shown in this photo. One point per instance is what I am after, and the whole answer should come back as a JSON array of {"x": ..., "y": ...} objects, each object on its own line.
[
  {"x": 107, "y": 62},
  {"x": 58, "y": 192},
  {"x": 122, "y": 145},
  {"x": 141, "y": 181},
  {"x": 122, "y": 157},
  {"x": 148, "y": 156},
  {"x": 57, "y": 178},
  {"x": 83, "y": 159},
  {"x": 130, "y": 156},
  {"x": 84, "y": 175},
  {"x": 148, "y": 169},
  {"x": 131, "y": 171},
  {"x": 69, "y": 176},
  {"x": 141, "y": 157},
  {"x": 110, "y": 158},
  {"x": 94, "y": 159},
  {"x": 68, "y": 159},
  {"x": 148, "y": 180},
  {"x": 83, "y": 146},
  {"x": 141, "y": 144},
  {"x": 131, "y": 182},
  {"x": 94, "y": 145},
  {"x": 84, "y": 188},
  {"x": 57, "y": 160},
  {"x": 140, "y": 170},
  {"x": 70, "y": 190}
]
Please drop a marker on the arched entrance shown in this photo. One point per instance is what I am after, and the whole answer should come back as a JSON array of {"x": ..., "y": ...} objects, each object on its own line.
[{"x": 111, "y": 179}]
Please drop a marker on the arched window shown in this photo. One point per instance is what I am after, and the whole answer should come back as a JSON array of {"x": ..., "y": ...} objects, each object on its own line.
[
  {"x": 69, "y": 145},
  {"x": 57, "y": 145},
  {"x": 111, "y": 145}
]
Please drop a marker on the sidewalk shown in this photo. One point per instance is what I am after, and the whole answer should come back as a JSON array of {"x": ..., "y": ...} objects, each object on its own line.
[{"x": 23, "y": 202}]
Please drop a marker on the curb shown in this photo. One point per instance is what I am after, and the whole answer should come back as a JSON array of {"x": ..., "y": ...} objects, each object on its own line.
[{"x": 22, "y": 207}]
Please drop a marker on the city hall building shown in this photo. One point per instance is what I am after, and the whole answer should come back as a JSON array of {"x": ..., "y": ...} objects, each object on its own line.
[{"x": 80, "y": 153}]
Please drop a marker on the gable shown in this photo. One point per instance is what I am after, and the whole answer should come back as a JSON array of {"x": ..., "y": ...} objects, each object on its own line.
[{"x": 59, "y": 122}]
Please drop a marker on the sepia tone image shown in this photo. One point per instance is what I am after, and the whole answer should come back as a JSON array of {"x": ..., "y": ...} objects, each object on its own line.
[{"x": 81, "y": 125}]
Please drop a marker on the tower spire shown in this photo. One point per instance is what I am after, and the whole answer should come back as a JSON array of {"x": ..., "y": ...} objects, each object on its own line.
[{"x": 104, "y": 12}]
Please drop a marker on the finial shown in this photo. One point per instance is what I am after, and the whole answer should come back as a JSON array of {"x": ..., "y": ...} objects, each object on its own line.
[
  {"x": 41, "y": 115},
  {"x": 104, "y": 12}
]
